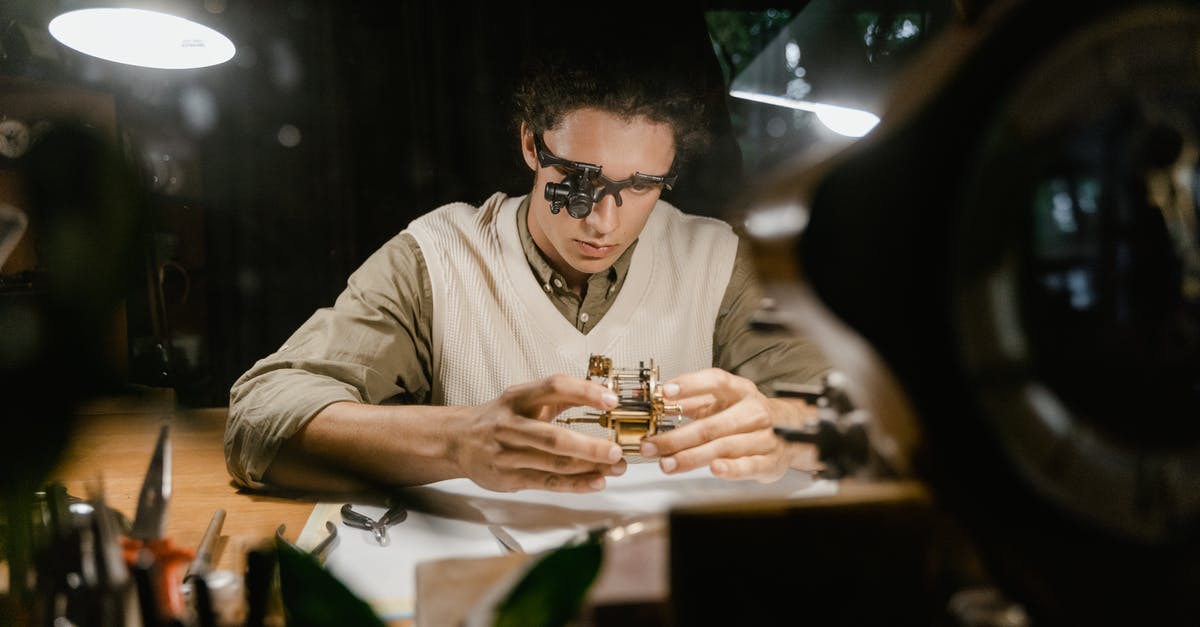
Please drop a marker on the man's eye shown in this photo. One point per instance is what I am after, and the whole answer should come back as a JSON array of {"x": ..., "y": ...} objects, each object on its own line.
[{"x": 640, "y": 188}]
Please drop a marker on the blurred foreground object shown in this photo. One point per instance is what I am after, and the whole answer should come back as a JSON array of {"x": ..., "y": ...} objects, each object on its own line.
[
  {"x": 55, "y": 320},
  {"x": 1008, "y": 272},
  {"x": 13, "y": 223},
  {"x": 840, "y": 431},
  {"x": 85, "y": 210}
]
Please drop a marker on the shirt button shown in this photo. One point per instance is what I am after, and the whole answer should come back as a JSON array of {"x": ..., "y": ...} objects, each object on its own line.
[
  {"x": 611, "y": 288},
  {"x": 558, "y": 283},
  {"x": 546, "y": 287},
  {"x": 583, "y": 316}
]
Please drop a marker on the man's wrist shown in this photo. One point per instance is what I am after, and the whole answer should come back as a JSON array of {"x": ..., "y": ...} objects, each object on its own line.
[{"x": 449, "y": 438}]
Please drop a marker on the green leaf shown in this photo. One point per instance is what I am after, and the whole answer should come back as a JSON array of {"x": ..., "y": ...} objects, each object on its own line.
[
  {"x": 313, "y": 597},
  {"x": 553, "y": 590}
]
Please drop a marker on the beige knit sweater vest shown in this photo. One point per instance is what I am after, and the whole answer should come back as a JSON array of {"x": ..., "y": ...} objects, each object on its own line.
[{"x": 494, "y": 326}]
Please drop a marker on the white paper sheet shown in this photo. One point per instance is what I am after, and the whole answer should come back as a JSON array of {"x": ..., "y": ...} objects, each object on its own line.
[{"x": 450, "y": 519}]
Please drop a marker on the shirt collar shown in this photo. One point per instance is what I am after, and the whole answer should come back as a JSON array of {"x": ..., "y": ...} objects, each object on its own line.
[{"x": 541, "y": 267}]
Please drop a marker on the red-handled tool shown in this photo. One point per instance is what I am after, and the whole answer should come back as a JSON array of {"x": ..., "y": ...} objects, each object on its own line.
[{"x": 147, "y": 549}]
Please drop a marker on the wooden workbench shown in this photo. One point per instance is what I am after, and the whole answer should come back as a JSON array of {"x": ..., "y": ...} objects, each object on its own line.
[{"x": 111, "y": 445}]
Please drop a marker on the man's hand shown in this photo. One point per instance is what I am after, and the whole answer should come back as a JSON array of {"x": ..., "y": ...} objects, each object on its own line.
[
  {"x": 733, "y": 432},
  {"x": 509, "y": 443}
]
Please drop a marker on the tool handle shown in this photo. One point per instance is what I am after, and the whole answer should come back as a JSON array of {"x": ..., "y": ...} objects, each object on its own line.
[
  {"x": 397, "y": 514},
  {"x": 324, "y": 546},
  {"x": 164, "y": 560},
  {"x": 171, "y": 559},
  {"x": 204, "y": 552},
  {"x": 356, "y": 519}
]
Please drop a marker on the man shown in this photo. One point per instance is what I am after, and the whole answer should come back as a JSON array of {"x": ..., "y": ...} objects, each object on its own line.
[{"x": 481, "y": 319}]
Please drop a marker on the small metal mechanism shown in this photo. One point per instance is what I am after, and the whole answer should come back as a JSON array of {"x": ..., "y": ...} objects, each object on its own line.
[{"x": 640, "y": 411}]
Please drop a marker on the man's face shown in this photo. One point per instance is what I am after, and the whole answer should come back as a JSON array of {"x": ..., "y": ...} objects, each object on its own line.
[{"x": 578, "y": 248}]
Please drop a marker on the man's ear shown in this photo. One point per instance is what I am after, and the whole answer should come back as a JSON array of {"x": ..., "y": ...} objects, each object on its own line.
[{"x": 528, "y": 149}]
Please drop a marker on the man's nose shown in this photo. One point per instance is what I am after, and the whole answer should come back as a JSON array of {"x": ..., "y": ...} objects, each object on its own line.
[{"x": 605, "y": 216}]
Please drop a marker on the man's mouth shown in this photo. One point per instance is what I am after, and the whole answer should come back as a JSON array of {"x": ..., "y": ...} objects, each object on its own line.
[{"x": 594, "y": 249}]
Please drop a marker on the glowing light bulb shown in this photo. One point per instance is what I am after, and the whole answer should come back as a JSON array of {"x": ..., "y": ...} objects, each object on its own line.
[{"x": 841, "y": 120}]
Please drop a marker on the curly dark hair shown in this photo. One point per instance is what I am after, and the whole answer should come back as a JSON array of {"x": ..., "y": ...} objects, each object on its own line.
[{"x": 620, "y": 81}]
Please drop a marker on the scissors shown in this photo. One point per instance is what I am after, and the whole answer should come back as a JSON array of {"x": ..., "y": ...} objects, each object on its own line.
[
  {"x": 153, "y": 558},
  {"x": 378, "y": 528}
]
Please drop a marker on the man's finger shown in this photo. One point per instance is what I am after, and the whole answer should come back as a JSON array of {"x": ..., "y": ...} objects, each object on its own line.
[
  {"x": 534, "y": 459},
  {"x": 701, "y": 406},
  {"x": 557, "y": 392},
  {"x": 734, "y": 446},
  {"x": 519, "y": 432},
  {"x": 725, "y": 387},
  {"x": 743, "y": 417},
  {"x": 762, "y": 468},
  {"x": 541, "y": 480}
]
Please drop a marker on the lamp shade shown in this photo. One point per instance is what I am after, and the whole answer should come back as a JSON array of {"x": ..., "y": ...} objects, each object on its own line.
[
  {"x": 142, "y": 38},
  {"x": 837, "y": 59}
]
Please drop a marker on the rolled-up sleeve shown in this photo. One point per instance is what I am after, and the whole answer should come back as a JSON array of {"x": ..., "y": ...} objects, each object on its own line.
[
  {"x": 372, "y": 346},
  {"x": 765, "y": 357}
]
